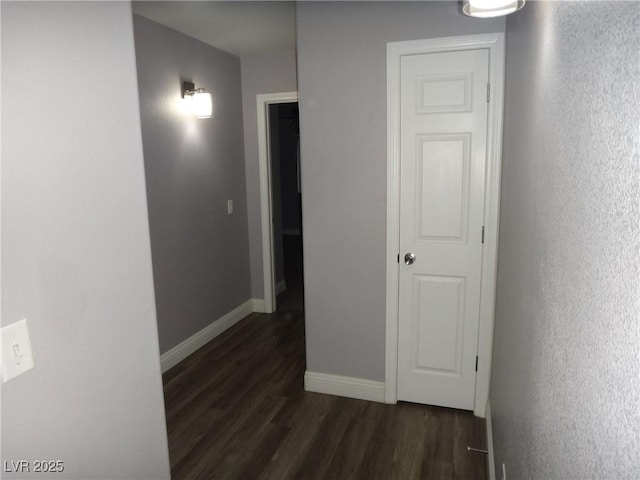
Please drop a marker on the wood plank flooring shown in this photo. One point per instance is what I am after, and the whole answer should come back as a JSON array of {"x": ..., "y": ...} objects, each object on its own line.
[{"x": 236, "y": 409}]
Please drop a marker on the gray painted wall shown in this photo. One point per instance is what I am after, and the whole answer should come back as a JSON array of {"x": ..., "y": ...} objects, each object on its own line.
[
  {"x": 260, "y": 74},
  {"x": 565, "y": 394},
  {"x": 193, "y": 166},
  {"x": 342, "y": 76},
  {"x": 76, "y": 259}
]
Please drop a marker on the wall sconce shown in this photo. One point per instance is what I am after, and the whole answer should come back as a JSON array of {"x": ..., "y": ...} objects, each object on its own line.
[
  {"x": 490, "y": 8},
  {"x": 197, "y": 102}
]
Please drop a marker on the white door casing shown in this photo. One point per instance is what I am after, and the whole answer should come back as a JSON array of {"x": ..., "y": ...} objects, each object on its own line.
[
  {"x": 263, "y": 101},
  {"x": 443, "y": 187}
]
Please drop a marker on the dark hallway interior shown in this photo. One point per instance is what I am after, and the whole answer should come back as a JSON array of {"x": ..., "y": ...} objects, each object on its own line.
[
  {"x": 293, "y": 274},
  {"x": 284, "y": 134}
]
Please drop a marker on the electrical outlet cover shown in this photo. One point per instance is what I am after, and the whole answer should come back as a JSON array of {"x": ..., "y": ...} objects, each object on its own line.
[{"x": 17, "y": 357}]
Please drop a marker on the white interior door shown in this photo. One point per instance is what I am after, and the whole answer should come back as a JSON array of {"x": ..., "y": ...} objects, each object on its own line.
[{"x": 443, "y": 139}]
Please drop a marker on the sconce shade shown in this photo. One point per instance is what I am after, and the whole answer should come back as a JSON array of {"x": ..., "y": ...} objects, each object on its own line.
[
  {"x": 491, "y": 8},
  {"x": 196, "y": 101},
  {"x": 202, "y": 104}
]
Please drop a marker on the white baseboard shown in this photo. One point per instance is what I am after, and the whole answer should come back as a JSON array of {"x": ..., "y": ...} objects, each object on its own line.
[
  {"x": 187, "y": 347},
  {"x": 257, "y": 304},
  {"x": 281, "y": 287},
  {"x": 344, "y": 386},
  {"x": 491, "y": 463}
]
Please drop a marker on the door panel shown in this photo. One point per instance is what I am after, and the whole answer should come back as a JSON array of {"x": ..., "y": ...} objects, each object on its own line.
[
  {"x": 443, "y": 187},
  {"x": 444, "y": 93},
  {"x": 443, "y": 129},
  {"x": 440, "y": 314}
]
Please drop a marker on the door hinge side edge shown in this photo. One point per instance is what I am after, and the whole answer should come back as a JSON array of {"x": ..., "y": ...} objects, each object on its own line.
[
  {"x": 398, "y": 258},
  {"x": 476, "y": 363},
  {"x": 483, "y": 234},
  {"x": 488, "y": 92}
]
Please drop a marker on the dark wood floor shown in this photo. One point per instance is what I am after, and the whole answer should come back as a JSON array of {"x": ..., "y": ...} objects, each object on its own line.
[{"x": 236, "y": 409}]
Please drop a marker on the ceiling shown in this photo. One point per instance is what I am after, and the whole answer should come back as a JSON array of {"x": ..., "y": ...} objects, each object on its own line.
[{"x": 238, "y": 27}]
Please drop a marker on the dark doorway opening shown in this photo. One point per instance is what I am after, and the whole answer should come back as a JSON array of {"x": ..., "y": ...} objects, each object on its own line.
[{"x": 284, "y": 141}]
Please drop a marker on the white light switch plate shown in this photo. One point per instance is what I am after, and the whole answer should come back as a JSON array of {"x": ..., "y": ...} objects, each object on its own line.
[{"x": 17, "y": 357}]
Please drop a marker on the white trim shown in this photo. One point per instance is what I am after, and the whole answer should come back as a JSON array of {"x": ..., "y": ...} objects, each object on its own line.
[
  {"x": 263, "y": 100},
  {"x": 491, "y": 224},
  {"x": 494, "y": 42},
  {"x": 281, "y": 287},
  {"x": 258, "y": 305},
  {"x": 393, "y": 224},
  {"x": 491, "y": 463},
  {"x": 198, "y": 340},
  {"x": 344, "y": 386}
]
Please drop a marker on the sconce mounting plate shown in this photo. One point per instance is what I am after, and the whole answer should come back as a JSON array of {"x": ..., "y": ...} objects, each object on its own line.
[{"x": 187, "y": 87}]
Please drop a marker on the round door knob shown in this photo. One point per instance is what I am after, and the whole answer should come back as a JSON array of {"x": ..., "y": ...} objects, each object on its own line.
[{"x": 409, "y": 258}]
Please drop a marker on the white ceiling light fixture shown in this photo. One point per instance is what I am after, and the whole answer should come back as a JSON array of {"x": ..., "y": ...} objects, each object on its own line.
[
  {"x": 197, "y": 101},
  {"x": 490, "y": 8}
]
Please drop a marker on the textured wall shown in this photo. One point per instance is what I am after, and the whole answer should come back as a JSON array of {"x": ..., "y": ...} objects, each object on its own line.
[
  {"x": 343, "y": 119},
  {"x": 565, "y": 392},
  {"x": 193, "y": 166},
  {"x": 76, "y": 259},
  {"x": 260, "y": 74}
]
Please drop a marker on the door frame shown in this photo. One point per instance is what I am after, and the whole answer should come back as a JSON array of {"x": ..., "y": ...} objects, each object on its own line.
[
  {"x": 263, "y": 100},
  {"x": 494, "y": 42}
]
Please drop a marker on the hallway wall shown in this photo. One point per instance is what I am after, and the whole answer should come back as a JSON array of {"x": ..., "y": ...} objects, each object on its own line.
[
  {"x": 565, "y": 391},
  {"x": 76, "y": 259},
  {"x": 343, "y": 134},
  {"x": 193, "y": 166},
  {"x": 260, "y": 74}
]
